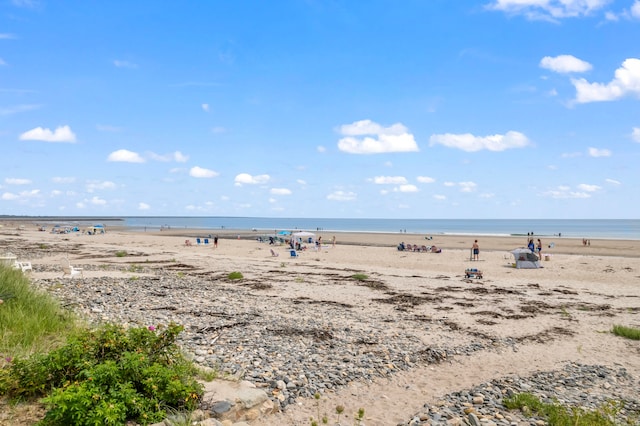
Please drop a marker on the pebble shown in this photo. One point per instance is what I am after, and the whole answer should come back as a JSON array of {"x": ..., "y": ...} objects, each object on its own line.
[{"x": 306, "y": 350}]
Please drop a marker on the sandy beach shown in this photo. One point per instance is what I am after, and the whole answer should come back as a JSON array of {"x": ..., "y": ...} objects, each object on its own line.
[{"x": 509, "y": 322}]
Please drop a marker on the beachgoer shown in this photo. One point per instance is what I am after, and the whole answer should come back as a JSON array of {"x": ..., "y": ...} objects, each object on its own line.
[
  {"x": 333, "y": 241},
  {"x": 476, "y": 250},
  {"x": 539, "y": 249},
  {"x": 531, "y": 246},
  {"x": 215, "y": 242}
]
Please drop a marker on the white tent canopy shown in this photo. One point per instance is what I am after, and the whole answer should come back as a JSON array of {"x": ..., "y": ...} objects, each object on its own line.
[
  {"x": 305, "y": 235},
  {"x": 525, "y": 259}
]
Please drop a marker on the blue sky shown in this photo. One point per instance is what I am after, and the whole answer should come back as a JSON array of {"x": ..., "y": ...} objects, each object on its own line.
[{"x": 321, "y": 108}]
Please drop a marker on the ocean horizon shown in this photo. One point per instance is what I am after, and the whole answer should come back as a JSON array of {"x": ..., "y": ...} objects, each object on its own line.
[{"x": 570, "y": 228}]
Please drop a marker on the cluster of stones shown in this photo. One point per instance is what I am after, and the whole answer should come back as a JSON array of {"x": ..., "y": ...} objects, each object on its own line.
[
  {"x": 297, "y": 349},
  {"x": 588, "y": 387}
]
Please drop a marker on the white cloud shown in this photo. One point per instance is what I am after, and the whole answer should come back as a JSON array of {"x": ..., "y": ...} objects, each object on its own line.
[
  {"x": 100, "y": 185},
  {"x": 17, "y": 181},
  {"x": 389, "y": 180},
  {"x": 280, "y": 191},
  {"x": 321, "y": 149},
  {"x": 440, "y": 197},
  {"x": 247, "y": 179},
  {"x": 124, "y": 64},
  {"x": 7, "y": 36},
  {"x": 174, "y": 156},
  {"x": 470, "y": 143},
  {"x": 125, "y": 156},
  {"x": 199, "y": 172},
  {"x": 563, "y": 192},
  {"x": 612, "y": 181},
  {"x": 487, "y": 195},
  {"x": 589, "y": 188},
  {"x": 2, "y": 62},
  {"x": 565, "y": 64},
  {"x": 425, "y": 179},
  {"x": 342, "y": 196},
  {"x": 61, "y": 134},
  {"x": 218, "y": 129},
  {"x": 205, "y": 107},
  {"x": 368, "y": 137},
  {"x": 143, "y": 206},
  {"x": 625, "y": 82},
  {"x": 301, "y": 182},
  {"x": 98, "y": 201},
  {"x": 9, "y": 196},
  {"x": 548, "y": 9},
  {"x": 467, "y": 186},
  {"x": 635, "y": 134},
  {"x": 18, "y": 108},
  {"x": 449, "y": 184},
  {"x": 635, "y": 9},
  {"x": 595, "y": 152},
  {"x": 406, "y": 188}
]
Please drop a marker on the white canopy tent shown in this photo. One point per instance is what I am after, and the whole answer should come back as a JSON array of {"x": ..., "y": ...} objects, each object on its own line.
[{"x": 308, "y": 237}]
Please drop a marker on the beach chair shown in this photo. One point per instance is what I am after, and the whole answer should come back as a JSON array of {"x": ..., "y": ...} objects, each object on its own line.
[
  {"x": 274, "y": 254},
  {"x": 23, "y": 266},
  {"x": 198, "y": 241},
  {"x": 206, "y": 241},
  {"x": 293, "y": 253},
  {"x": 68, "y": 269}
]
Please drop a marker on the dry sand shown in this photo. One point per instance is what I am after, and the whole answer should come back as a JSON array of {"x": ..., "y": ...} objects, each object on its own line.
[{"x": 562, "y": 312}]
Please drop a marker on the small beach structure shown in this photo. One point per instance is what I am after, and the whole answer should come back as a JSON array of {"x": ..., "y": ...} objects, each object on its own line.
[
  {"x": 98, "y": 228},
  {"x": 525, "y": 259}
]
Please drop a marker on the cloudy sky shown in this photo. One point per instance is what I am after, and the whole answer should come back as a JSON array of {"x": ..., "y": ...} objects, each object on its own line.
[{"x": 321, "y": 108}]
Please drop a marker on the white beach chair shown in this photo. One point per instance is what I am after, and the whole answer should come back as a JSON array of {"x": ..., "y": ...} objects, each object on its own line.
[
  {"x": 72, "y": 271},
  {"x": 23, "y": 266}
]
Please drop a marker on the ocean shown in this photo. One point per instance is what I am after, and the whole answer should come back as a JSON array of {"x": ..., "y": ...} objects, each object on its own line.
[{"x": 580, "y": 228}]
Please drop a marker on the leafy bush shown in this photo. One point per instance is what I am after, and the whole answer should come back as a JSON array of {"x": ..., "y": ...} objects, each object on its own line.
[
  {"x": 360, "y": 277},
  {"x": 235, "y": 276},
  {"x": 108, "y": 376},
  {"x": 121, "y": 253},
  {"x": 628, "y": 332}
]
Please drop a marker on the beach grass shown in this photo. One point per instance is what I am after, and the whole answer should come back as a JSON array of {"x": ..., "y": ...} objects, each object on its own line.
[
  {"x": 628, "y": 332},
  {"x": 30, "y": 321}
]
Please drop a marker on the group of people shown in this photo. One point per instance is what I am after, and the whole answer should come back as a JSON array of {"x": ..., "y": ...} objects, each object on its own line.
[{"x": 535, "y": 248}]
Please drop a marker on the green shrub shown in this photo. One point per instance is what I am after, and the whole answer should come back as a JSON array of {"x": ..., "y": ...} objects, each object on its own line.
[
  {"x": 235, "y": 276},
  {"x": 108, "y": 376},
  {"x": 121, "y": 253},
  {"x": 628, "y": 332}
]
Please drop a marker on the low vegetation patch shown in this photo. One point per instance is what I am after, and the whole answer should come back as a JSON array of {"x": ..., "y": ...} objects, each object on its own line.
[
  {"x": 107, "y": 376},
  {"x": 628, "y": 332},
  {"x": 559, "y": 415},
  {"x": 31, "y": 321},
  {"x": 360, "y": 277},
  {"x": 235, "y": 276},
  {"x": 121, "y": 253}
]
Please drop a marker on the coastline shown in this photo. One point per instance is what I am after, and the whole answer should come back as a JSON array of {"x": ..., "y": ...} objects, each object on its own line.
[{"x": 362, "y": 343}]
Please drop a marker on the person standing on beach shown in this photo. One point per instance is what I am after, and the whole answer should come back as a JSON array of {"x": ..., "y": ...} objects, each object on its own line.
[
  {"x": 476, "y": 250},
  {"x": 215, "y": 242},
  {"x": 333, "y": 241},
  {"x": 539, "y": 249}
]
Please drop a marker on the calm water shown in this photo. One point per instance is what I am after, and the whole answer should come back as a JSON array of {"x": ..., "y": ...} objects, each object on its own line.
[{"x": 581, "y": 228}]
